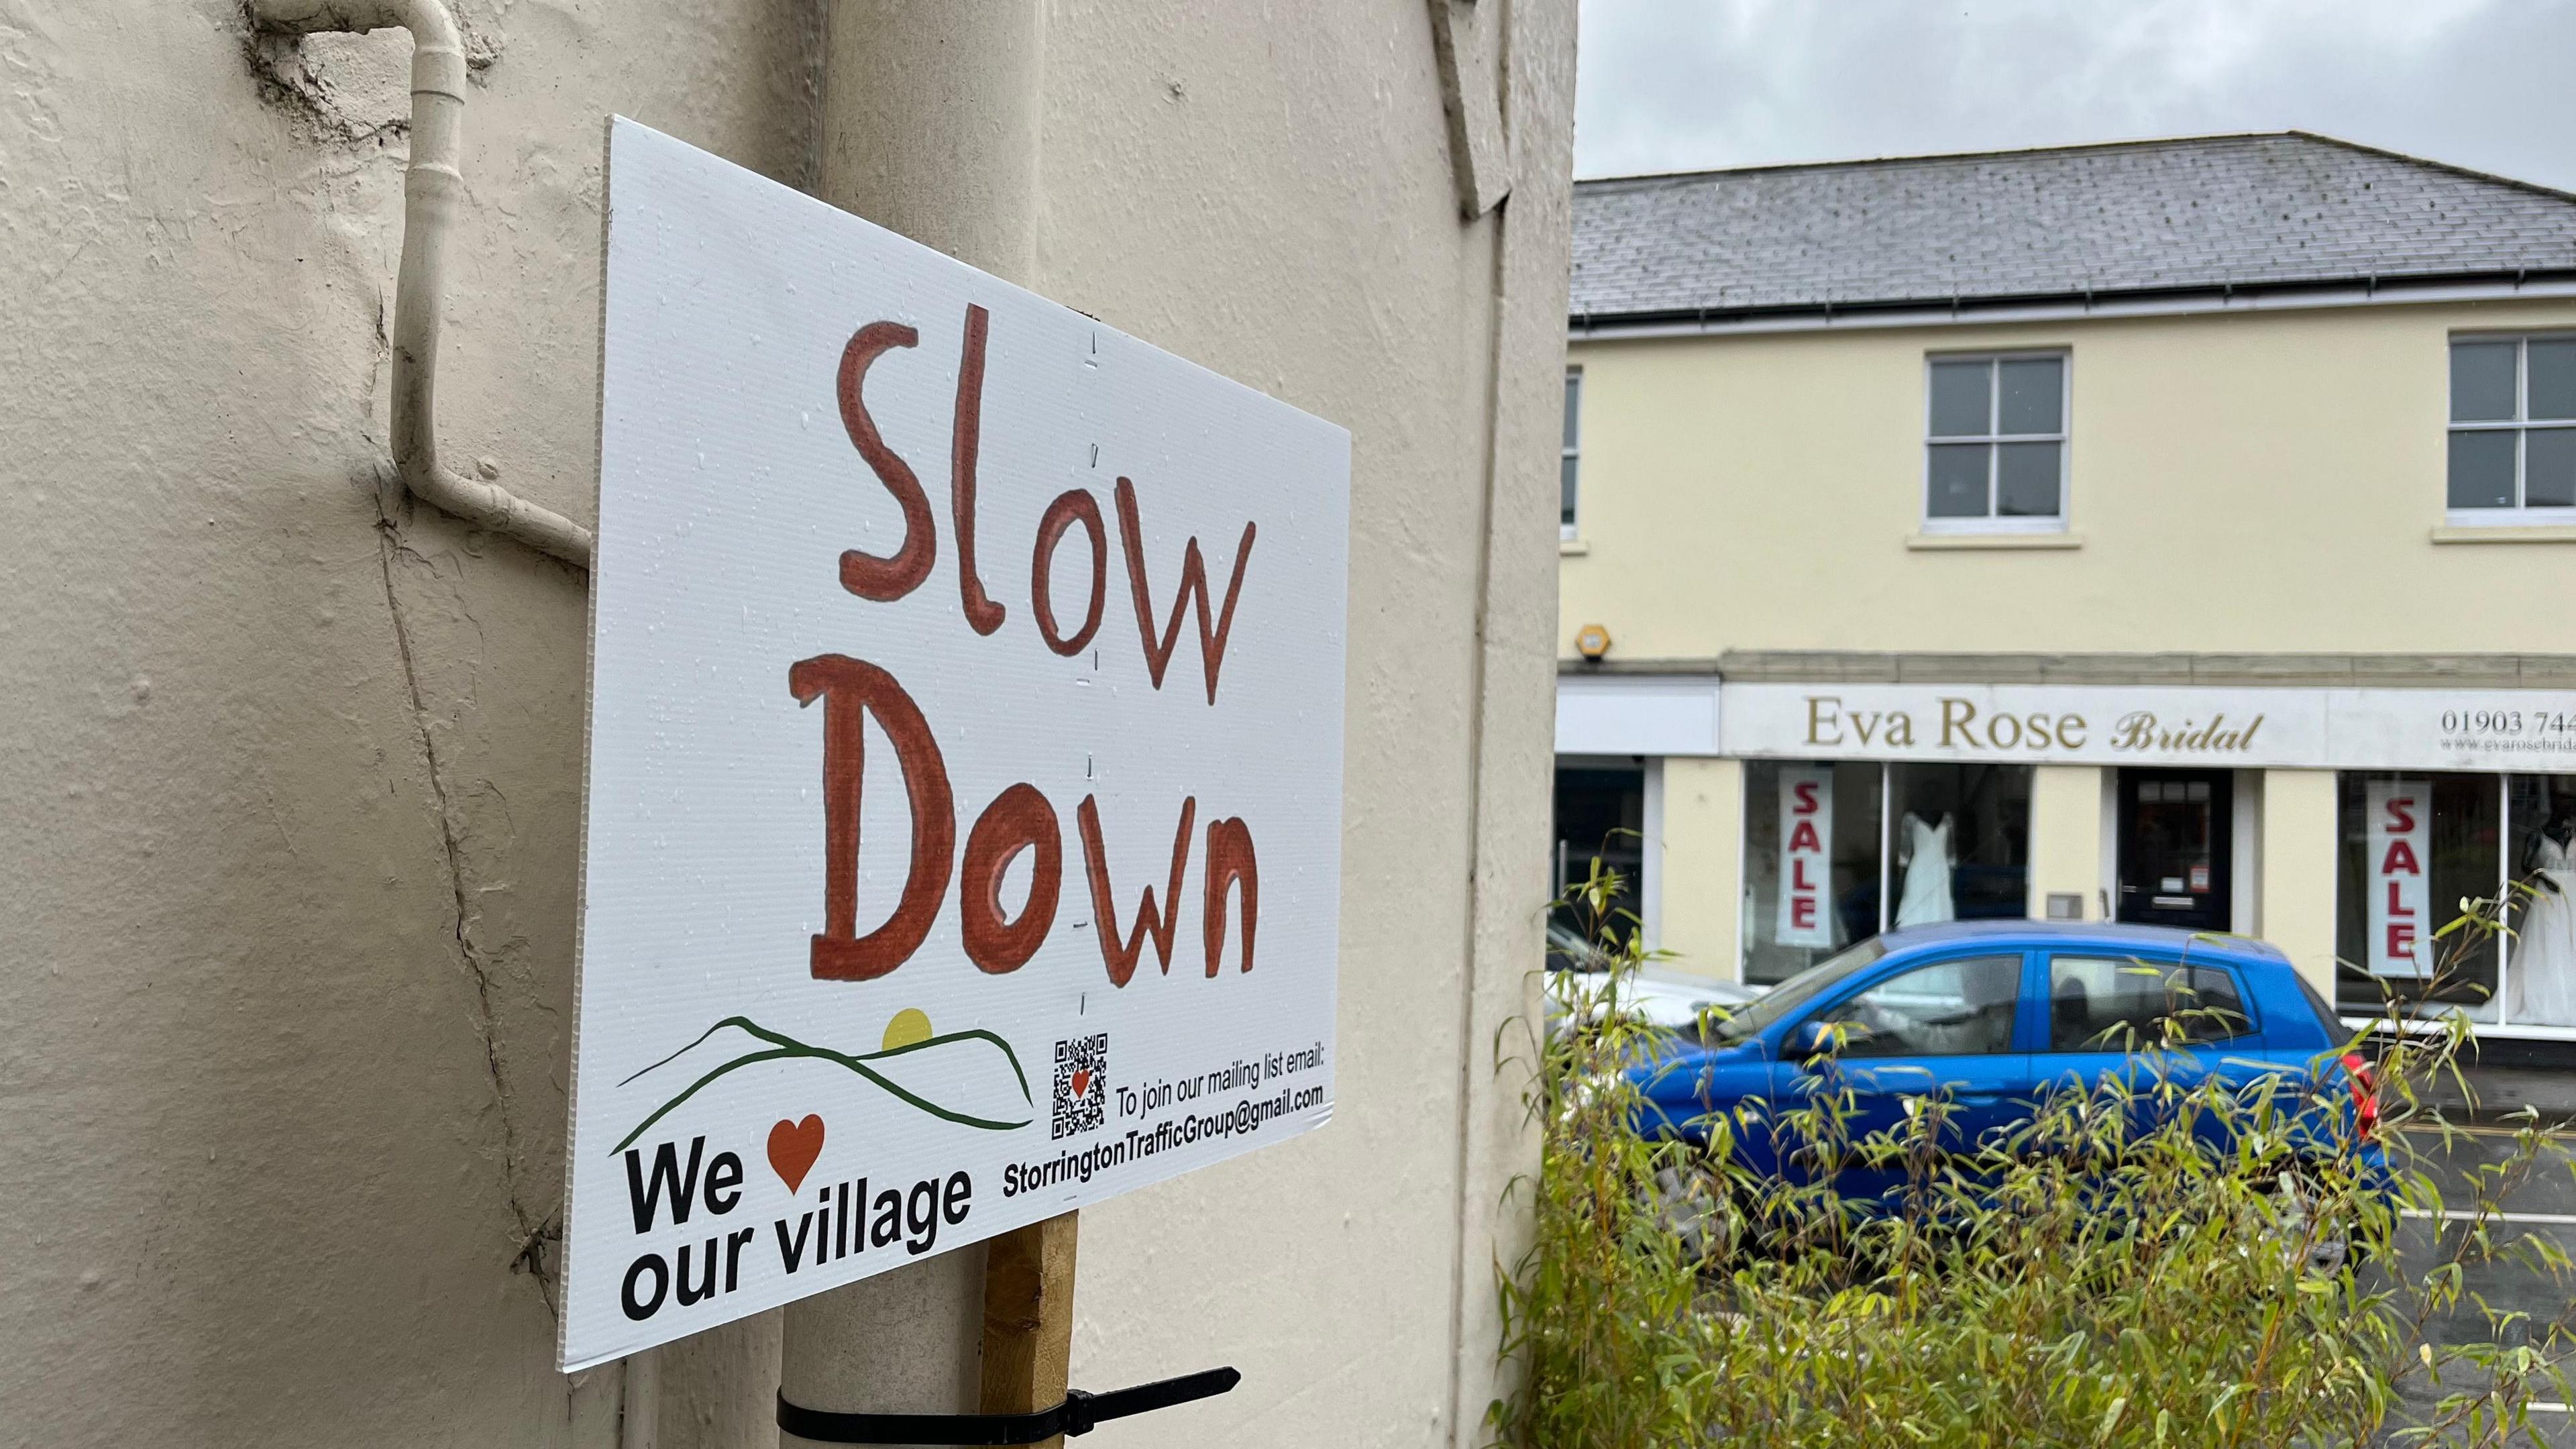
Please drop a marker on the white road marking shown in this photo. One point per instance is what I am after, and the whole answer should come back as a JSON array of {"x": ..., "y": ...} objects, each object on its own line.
[
  {"x": 2547, "y": 1130},
  {"x": 2464, "y": 1215}
]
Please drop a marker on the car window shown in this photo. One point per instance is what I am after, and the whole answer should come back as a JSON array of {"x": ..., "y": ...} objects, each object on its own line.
[
  {"x": 2107, "y": 1003},
  {"x": 2327, "y": 1021},
  {"x": 1793, "y": 993},
  {"x": 1956, "y": 1008}
]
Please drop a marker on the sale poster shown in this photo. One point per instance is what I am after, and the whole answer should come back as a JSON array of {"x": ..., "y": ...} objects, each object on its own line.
[
  {"x": 1806, "y": 855},
  {"x": 2399, "y": 881}
]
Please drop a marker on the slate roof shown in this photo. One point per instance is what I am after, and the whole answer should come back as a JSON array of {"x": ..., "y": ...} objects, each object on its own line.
[{"x": 2287, "y": 209}]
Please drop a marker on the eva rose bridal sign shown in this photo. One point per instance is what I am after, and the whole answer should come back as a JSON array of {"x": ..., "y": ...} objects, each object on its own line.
[{"x": 963, "y": 823}]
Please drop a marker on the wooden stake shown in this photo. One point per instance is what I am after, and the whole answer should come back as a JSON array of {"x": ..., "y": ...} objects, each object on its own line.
[{"x": 1028, "y": 1318}]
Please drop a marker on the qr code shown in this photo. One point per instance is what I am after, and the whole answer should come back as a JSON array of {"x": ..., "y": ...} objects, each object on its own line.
[{"x": 1081, "y": 1084}]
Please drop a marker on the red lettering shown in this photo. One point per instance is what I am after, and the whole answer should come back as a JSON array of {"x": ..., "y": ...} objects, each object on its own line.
[
  {"x": 982, "y": 614},
  {"x": 1120, "y": 956},
  {"x": 850, "y": 689},
  {"x": 1804, "y": 792},
  {"x": 1070, "y": 507},
  {"x": 1798, "y": 873},
  {"x": 2401, "y": 813},
  {"x": 2400, "y": 860},
  {"x": 1803, "y": 836},
  {"x": 1802, "y": 912},
  {"x": 2401, "y": 941},
  {"x": 2396, "y": 900},
  {"x": 866, "y": 575},
  {"x": 1018, "y": 819},
  {"x": 1193, "y": 588},
  {"x": 1229, "y": 860}
]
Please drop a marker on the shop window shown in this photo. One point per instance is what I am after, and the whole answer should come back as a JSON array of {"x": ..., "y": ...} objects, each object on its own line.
[
  {"x": 2414, "y": 846},
  {"x": 1960, "y": 845},
  {"x": 2109, "y": 1003},
  {"x": 1569, "y": 465},
  {"x": 1600, "y": 812},
  {"x": 1995, "y": 444},
  {"x": 1836, "y": 853},
  {"x": 2405, "y": 871},
  {"x": 2513, "y": 429},
  {"x": 2540, "y": 965}
]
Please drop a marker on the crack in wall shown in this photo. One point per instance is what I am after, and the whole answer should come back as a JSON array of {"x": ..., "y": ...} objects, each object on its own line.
[{"x": 535, "y": 1233}]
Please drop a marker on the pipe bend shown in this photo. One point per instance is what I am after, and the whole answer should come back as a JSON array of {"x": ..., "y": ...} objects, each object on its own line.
[{"x": 432, "y": 185}]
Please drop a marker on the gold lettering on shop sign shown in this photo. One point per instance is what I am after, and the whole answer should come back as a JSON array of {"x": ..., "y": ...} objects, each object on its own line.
[
  {"x": 1827, "y": 720},
  {"x": 1817, "y": 707},
  {"x": 1831, "y": 724},
  {"x": 2141, "y": 730},
  {"x": 1957, "y": 715}
]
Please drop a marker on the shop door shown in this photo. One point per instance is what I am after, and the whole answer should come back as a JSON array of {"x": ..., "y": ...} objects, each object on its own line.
[{"x": 2176, "y": 827}]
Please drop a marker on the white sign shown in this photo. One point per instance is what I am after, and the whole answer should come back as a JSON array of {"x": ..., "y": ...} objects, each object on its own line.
[
  {"x": 2350, "y": 729},
  {"x": 1806, "y": 856},
  {"x": 2400, "y": 841},
  {"x": 1636, "y": 714},
  {"x": 966, "y": 709}
]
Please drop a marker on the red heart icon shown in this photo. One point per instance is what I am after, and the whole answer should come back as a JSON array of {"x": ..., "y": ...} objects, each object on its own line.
[
  {"x": 1082, "y": 1082},
  {"x": 793, "y": 1146}
]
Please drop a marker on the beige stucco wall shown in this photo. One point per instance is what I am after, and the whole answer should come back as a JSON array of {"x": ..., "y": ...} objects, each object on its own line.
[
  {"x": 293, "y": 784},
  {"x": 2255, "y": 482},
  {"x": 2299, "y": 857},
  {"x": 2066, "y": 837},
  {"x": 1703, "y": 847}
]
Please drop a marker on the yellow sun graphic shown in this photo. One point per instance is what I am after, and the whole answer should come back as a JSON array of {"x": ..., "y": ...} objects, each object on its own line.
[{"x": 910, "y": 1025}]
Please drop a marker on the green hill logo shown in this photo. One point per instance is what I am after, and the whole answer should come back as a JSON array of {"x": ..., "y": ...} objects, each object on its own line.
[{"x": 909, "y": 1049}]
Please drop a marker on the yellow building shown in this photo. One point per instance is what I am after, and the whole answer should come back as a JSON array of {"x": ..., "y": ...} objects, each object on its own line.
[{"x": 2175, "y": 532}]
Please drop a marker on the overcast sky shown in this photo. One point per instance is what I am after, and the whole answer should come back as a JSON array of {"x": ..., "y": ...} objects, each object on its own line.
[{"x": 1676, "y": 85}]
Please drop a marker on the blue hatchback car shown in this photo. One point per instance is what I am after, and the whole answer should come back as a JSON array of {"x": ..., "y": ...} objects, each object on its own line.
[{"x": 1993, "y": 1014}]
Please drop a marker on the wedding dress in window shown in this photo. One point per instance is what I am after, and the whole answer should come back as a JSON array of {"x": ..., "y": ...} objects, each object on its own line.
[
  {"x": 2542, "y": 988},
  {"x": 1925, "y": 853}
]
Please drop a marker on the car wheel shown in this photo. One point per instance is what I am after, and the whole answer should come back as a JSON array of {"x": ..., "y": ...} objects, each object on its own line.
[
  {"x": 1688, "y": 1202},
  {"x": 2325, "y": 1247}
]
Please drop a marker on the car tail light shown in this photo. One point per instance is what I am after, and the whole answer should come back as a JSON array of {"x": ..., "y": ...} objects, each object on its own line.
[{"x": 2365, "y": 1095}]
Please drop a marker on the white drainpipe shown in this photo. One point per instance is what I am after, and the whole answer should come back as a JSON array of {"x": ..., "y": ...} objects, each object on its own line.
[{"x": 432, "y": 188}]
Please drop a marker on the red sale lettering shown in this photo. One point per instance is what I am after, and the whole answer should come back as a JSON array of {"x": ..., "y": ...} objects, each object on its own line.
[
  {"x": 1806, "y": 803},
  {"x": 2398, "y": 895}
]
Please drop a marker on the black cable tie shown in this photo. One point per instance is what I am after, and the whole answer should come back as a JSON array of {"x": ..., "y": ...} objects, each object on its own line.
[{"x": 1078, "y": 1414}]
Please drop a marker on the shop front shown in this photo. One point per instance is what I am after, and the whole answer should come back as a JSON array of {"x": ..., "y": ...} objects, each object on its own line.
[{"x": 2346, "y": 824}]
